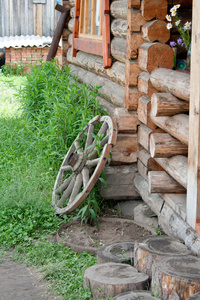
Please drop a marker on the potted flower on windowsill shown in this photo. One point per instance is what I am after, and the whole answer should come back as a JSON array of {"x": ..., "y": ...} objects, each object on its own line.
[{"x": 184, "y": 31}]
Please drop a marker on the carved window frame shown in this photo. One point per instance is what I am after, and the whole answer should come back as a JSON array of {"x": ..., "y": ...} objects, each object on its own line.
[{"x": 91, "y": 43}]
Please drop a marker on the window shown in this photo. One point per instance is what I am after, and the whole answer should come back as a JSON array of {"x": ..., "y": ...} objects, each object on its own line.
[{"x": 92, "y": 29}]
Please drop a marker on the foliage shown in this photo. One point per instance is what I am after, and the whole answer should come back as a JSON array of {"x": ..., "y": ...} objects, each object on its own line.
[
  {"x": 184, "y": 30},
  {"x": 59, "y": 265},
  {"x": 18, "y": 69}
]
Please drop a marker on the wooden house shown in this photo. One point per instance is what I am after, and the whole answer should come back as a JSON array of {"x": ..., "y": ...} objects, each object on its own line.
[{"x": 125, "y": 50}]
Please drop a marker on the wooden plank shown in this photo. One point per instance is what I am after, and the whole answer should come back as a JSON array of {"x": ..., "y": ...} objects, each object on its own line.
[
  {"x": 7, "y": 18},
  {"x": 86, "y": 16},
  {"x": 94, "y": 47},
  {"x": 81, "y": 16},
  {"x": 39, "y": 20},
  {"x": 100, "y": 18},
  {"x": 193, "y": 195},
  {"x": 25, "y": 16},
  {"x": 93, "y": 17},
  {"x": 30, "y": 18},
  {"x": 76, "y": 27},
  {"x": 11, "y": 18},
  {"x": 106, "y": 33}
]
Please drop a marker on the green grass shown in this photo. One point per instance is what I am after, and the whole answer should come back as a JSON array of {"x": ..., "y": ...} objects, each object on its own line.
[{"x": 40, "y": 116}]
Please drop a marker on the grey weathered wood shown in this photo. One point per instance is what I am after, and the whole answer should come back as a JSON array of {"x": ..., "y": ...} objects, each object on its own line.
[
  {"x": 118, "y": 49},
  {"x": 19, "y": 17},
  {"x": 142, "y": 295},
  {"x": 118, "y": 9},
  {"x": 71, "y": 25},
  {"x": 110, "y": 90},
  {"x": 119, "y": 28},
  {"x": 94, "y": 63},
  {"x": 119, "y": 182}
]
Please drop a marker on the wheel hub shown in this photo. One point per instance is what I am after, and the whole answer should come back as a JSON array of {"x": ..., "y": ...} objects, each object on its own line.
[{"x": 77, "y": 162}]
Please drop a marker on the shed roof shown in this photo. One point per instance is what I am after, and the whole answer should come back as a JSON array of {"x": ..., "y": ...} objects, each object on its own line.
[{"x": 25, "y": 41}]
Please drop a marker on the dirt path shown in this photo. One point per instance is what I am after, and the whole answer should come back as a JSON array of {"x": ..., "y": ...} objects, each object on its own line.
[{"x": 17, "y": 282}]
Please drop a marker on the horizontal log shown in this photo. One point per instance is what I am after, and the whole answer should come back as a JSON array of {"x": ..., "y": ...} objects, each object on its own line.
[
  {"x": 176, "y": 167},
  {"x": 71, "y": 25},
  {"x": 164, "y": 145},
  {"x": 144, "y": 85},
  {"x": 111, "y": 91},
  {"x": 154, "y": 9},
  {"x": 72, "y": 11},
  {"x": 72, "y": 2},
  {"x": 118, "y": 9},
  {"x": 144, "y": 108},
  {"x": 142, "y": 170},
  {"x": 154, "y": 201},
  {"x": 177, "y": 202},
  {"x": 135, "y": 20},
  {"x": 171, "y": 81},
  {"x": 94, "y": 63},
  {"x": 70, "y": 39},
  {"x": 118, "y": 49},
  {"x": 125, "y": 149},
  {"x": 119, "y": 28},
  {"x": 155, "y": 55},
  {"x": 144, "y": 156},
  {"x": 155, "y": 30},
  {"x": 177, "y": 126},
  {"x": 148, "y": 161},
  {"x": 134, "y": 40},
  {"x": 127, "y": 121},
  {"x": 161, "y": 182},
  {"x": 165, "y": 104},
  {"x": 108, "y": 107},
  {"x": 65, "y": 34},
  {"x": 120, "y": 183},
  {"x": 132, "y": 71},
  {"x": 131, "y": 98}
]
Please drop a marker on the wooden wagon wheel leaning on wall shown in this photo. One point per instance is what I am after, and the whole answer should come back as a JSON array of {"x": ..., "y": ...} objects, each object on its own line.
[{"x": 83, "y": 164}]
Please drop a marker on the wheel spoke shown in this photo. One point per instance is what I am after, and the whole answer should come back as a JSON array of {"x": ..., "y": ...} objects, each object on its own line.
[
  {"x": 63, "y": 186},
  {"x": 92, "y": 163},
  {"x": 85, "y": 174},
  {"x": 94, "y": 154},
  {"x": 78, "y": 147},
  {"x": 103, "y": 128},
  {"x": 67, "y": 192},
  {"x": 66, "y": 168},
  {"x": 89, "y": 137},
  {"x": 76, "y": 188}
]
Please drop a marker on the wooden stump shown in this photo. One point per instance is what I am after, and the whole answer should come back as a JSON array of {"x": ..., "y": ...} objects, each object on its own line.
[
  {"x": 195, "y": 297},
  {"x": 118, "y": 252},
  {"x": 111, "y": 279},
  {"x": 149, "y": 248},
  {"x": 137, "y": 295},
  {"x": 176, "y": 277}
]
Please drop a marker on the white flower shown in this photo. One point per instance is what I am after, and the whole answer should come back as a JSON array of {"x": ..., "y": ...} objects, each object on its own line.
[
  {"x": 187, "y": 26},
  {"x": 173, "y": 14},
  {"x": 169, "y": 26},
  {"x": 173, "y": 9},
  {"x": 168, "y": 17},
  {"x": 177, "y": 6},
  {"x": 177, "y": 22}
]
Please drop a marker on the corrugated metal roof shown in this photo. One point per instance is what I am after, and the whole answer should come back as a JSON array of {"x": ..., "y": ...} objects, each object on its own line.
[{"x": 25, "y": 41}]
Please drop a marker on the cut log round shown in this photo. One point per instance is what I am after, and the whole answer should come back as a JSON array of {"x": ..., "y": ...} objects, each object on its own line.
[
  {"x": 136, "y": 295},
  {"x": 111, "y": 279},
  {"x": 154, "y": 9},
  {"x": 118, "y": 252},
  {"x": 119, "y": 28},
  {"x": 176, "y": 277},
  {"x": 164, "y": 145},
  {"x": 156, "y": 30},
  {"x": 118, "y": 9},
  {"x": 194, "y": 297},
  {"x": 149, "y": 248}
]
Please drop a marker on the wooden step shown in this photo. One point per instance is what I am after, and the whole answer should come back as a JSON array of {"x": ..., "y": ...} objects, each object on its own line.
[
  {"x": 136, "y": 295},
  {"x": 112, "y": 279},
  {"x": 118, "y": 252},
  {"x": 149, "y": 248},
  {"x": 176, "y": 277}
]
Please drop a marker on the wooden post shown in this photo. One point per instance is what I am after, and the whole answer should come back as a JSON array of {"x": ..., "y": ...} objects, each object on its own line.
[
  {"x": 193, "y": 187},
  {"x": 58, "y": 31}
]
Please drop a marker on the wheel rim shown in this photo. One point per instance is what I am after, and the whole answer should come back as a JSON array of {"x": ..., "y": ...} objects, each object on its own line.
[{"x": 83, "y": 164}]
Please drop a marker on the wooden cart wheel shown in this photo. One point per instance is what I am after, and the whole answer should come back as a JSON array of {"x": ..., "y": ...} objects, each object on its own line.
[{"x": 83, "y": 164}]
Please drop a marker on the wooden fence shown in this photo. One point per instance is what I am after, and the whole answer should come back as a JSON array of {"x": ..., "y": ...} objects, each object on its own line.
[{"x": 28, "y": 17}]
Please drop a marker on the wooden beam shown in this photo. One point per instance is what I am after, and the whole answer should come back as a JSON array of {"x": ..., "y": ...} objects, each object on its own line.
[{"x": 193, "y": 194}]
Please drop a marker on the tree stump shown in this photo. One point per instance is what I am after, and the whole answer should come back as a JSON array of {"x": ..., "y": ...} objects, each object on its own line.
[
  {"x": 111, "y": 279},
  {"x": 118, "y": 252},
  {"x": 193, "y": 297},
  {"x": 176, "y": 277},
  {"x": 149, "y": 248},
  {"x": 136, "y": 295}
]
